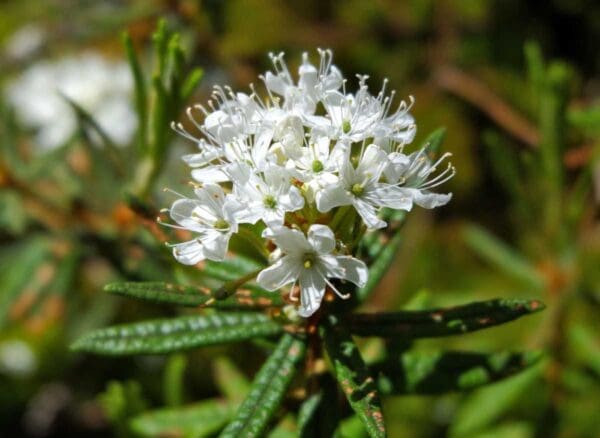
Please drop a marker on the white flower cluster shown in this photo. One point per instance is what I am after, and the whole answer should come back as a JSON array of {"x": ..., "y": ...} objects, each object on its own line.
[
  {"x": 298, "y": 161},
  {"x": 101, "y": 87}
]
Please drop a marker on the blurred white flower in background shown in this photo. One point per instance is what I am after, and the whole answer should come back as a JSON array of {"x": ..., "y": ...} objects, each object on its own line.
[
  {"x": 17, "y": 358},
  {"x": 25, "y": 42},
  {"x": 100, "y": 86}
]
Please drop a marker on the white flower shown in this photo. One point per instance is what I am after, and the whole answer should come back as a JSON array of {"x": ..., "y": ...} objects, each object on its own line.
[
  {"x": 411, "y": 175},
  {"x": 361, "y": 188},
  {"x": 212, "y": 217},
  {"x": 310, "y": 262},
  {"x": 354, "y": 118},
  {"x": 317, "y": 165},
  {"x": 313, "y": 83},
  {"x": 307, "y": 148},
  {"x": 101, "y": 87},
  {"x": 266, "y": 196}
]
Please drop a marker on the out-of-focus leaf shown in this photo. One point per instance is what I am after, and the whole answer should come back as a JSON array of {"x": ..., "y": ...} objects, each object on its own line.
[
  {"x": 197, "y": 420},
  {"x": 268, "y": 389},
  {"x": 13, "y": 218},
  {"x": 380, "y": 266},
  {"x": 440, "y": 322},
  {"x": 320, "y": 414},
  {"x": 351, "y": 427},
  {"x": 585, "y": 345},
  {"x": 141, "y": 98},
  {"x": 535, "y": 67},
  {"x": 232, "y": 383},
  {"x": 173, "y": 380},
  {"x": 354, "y": 378},
  {"x": 501, "y": 256},
  {"x": 248, "y": 296},
  {"x": 585, "y": 119},
  {"x": 21, "y": 266},
  {"x": 120, "y": 402},
  {"x": 286, "y": 428},
  {"x": 485, "y": 405},
  {"x": 231, "y": 268},
  {"x": 176, "y": 334},
  {"x": 444, "y": 371},
  {"x": 433, "y": 142},
  {"x": 306, "y": 412}
]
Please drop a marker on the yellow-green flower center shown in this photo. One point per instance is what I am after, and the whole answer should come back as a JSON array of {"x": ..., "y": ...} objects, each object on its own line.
[
  {"x": 357, "y": 189},
  {"x": 221, "y": 225},
  {"x": 270, "y": 201},
  {"x": 346, "y": 126},
  {"x": 309, "y": 261},
  {"x": 317, "y": 166}
]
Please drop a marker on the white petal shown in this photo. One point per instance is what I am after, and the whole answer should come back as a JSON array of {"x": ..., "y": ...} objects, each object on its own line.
[
  {"x": 183, "y": 211},
  {"x": 373, "y": 161},
  {"x": 215, "y": 246},
  {"x": 288, "y": 240},
  {"x": 188, "y": 253},
  {"x": 331, "y": 197},
  {"x": 283, "y": 272},
  {"x": 321, "y": 238},
  {"x": 312, "y": 290},
  {"x": 351, "y": 269},
  {"x": 368, "y": 214},
  {"x": 430, "y": 200},
  {"x": 292, "y": 201},
  {"x": 212, "y": 174},
  {"x": 392, "y": 197}
]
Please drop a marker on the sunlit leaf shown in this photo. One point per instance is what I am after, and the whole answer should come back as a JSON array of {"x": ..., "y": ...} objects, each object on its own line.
[
  {"x": 268, "y": 389},
  {"x": 354, "y": 379},
  {"x": 440, "y": 322},
  {"x": 176, "y": 334},
  {"x": 197, "y": 420}
]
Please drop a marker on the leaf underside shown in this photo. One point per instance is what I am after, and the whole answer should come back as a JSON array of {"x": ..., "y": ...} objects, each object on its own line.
[
  {"x": 441, "y": 322},
  {"x": 246, "y": 297},
  {"x": 268, "y": 389},
  {"x": 355, "y": 380},
  {"x": 167, "y": 335}
]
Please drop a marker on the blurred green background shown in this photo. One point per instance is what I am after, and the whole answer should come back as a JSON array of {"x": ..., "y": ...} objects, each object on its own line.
[{"x": 516, "y": 85}]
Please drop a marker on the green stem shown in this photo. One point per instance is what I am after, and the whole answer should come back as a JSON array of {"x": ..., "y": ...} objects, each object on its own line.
[
  {"x": 339, "y": 216},
  {"x": 232, "y": 286},
  {"x": 256, "y": 242}
]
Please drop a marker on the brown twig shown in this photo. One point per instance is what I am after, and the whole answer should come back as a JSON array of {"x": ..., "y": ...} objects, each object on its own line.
[{"x": 478, "y": 94}]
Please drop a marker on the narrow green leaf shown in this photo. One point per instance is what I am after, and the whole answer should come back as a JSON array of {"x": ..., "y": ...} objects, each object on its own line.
[
  {"x": 351, "y": 427},
  {"x": 176, "y": 334},
  {"x": 535, "y": 67},
  {"x": 191, "y": 82},
  {"x": 445, "y": 371},
  {"x": 268, "y": 389},
  {"x": 320, "y": 414},
  {"x": 161, "y": 292},
  {"x": 380, "y": 266},
  {"x": 441, "y": 322},
  {"x": 141, "y": 98},
  {"x": 232, "y": 383},
  {"x": 173, "y": 380},
  {"x": 501, "y": 255},
  {"x": 248, "y": 296},
  {"x": 198, "y": 420},
  {"x": 354, "y": 378},
  {"x": 433, "y": 142},
  {"x": 585, "y": 345},
  {"x": 485, "y": 405}
]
